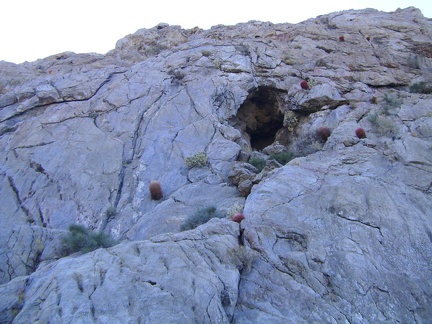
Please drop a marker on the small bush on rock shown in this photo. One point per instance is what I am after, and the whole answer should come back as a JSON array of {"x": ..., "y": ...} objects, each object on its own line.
[
  {"x": 291, "y": 120},
  {"x": 258, "y": 163},
  {"x": 390, "y": 102},
  {"x": 202, "y": 216},
  {"x": 177, "y": 74},
  {"x": 110, "y": 212},
  {"x": 307, "y": 144},
  {"x": 421, "y": 87},
  {"x": 282, "y": 157},
  {"x": 81, "y": 239},
  {"x": 198, "y": 160},
  {"x": 288, "y": 60},
  {"x": 236, "y": 208},
  {"x": 383, "y": 124},
  {"x": 243, "y": 49},
  {"x": 242, "y": 257},
  {"x": 206, "y": 53},
  {"x": 155, "y": 189}
]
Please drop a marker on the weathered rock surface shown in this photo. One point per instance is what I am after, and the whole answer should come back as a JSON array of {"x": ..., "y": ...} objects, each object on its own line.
[
  {"x": 341, "y": 234},
  {"x": 171, "y": 278}
]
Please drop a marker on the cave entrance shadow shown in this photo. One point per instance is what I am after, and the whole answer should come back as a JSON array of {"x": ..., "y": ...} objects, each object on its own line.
[{"x": 261, "y": 116}]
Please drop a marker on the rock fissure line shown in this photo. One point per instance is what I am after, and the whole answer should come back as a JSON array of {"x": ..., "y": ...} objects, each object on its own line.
[
  {"x": 19, "y": 199},
  {"x": 192, "y": 102},
  {"x": 121, "y": 177},
  {"x": 29, "y": 261},
  {"x": 36, "y": 107},
  {"x": 282, "y": 203},
  {"x": 67, "y": 119},
  {"x": 10, "y": 268},
  {"x": 34, "y": 145},
  {"x": 360, "y": 222},
  {"x": 141, "y": 127},
  {"x": 257, "y": 306}
]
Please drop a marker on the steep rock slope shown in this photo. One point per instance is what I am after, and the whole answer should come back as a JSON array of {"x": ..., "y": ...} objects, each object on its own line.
[{"x": 342, "y": 233}]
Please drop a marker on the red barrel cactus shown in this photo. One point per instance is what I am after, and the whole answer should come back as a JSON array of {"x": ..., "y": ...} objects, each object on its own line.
[
  {"x": 238, "y": 217},
  {"x": 304, "y": 85},
  {"x": 155, "y": 189},
  {"x": 323, "y": 133},
  {"x": 360, "y": 133}
]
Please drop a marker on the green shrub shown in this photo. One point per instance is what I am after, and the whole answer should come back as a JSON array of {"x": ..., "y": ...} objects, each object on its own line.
[
  {"x": 198, "y": 160},
  {"x": 177, "y": 74},
  {"x": 291, "y": 120},
  {"x": 390, "y": 102},
  {"x": 81, "y": 239},
  {"x": 258, "y": 163},
  {"x": 326, "y": 21},
  {"x": 381, "y": 120},
  {"x": 242, "y": 257},
  {"x": 421, "y": 87},
  {"x": 202, "y": 216},
  {"x": 243, "y": 49},
  {"x": 282, "y": 157},
  {"x": 288, "y": 60},
  {"x": 110, "y": 212},
  {"x": 236, "y": 208},
  {"x": 206, "y": 53},
  {"x": 308, "y": 144},
  {"x": 217, "y": 63},
  {"x": 383, "y": 124}
]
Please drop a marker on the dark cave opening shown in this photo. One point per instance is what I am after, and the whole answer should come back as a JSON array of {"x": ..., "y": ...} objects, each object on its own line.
[{"x": 261, "y": 117}]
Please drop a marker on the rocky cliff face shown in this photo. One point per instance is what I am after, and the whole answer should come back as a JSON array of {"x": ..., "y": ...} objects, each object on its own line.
[{"x": 340, "y": 234}]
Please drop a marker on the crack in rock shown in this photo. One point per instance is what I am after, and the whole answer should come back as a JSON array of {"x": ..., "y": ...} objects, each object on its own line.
[{"x": 340, "y": 215}]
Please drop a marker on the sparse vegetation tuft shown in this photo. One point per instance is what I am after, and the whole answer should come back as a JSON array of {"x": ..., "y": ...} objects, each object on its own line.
[
  {"x": 243, "y": 49},
  {"x": 110, "y": 212},
  {"x": 288, "y": 60},
  {"x": 381, "y": 120},
  {"x": 291, "y": 120},
  {"x": 282, "y": 157},
  {"x": 383, "y": 124},
  {"x": 236, "y": 208},
  {"x": 242, "y": 257},
  {"x": 217, "y": 63},
  {"x": 421, "y": 87},
  {"x": 202, "y": 216},
  {"x": 308, "y": 144},
  {"x": 81, "y": 239},
  {"x": 206, "y": 53},
  {"x": 258, "y": 163},
  {"x": 390, "y": 102},
  {"x": 177, "y": 75},
  {"x": 198, "y": 160}
]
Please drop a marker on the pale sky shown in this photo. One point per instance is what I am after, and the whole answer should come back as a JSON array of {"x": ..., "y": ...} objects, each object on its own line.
[{"x": 32, "y": 29}]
